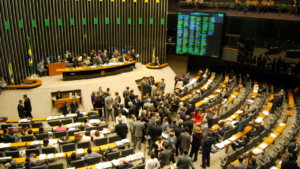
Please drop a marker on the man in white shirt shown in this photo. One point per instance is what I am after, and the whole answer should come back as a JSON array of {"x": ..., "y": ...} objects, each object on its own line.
[
  {"x": 120, "y": 116},
  {"x": 2, "y": 84}
]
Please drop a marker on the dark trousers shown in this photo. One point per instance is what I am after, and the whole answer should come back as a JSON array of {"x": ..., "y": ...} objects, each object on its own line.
[
  {"x": 194, "y": 150},
  {"x": 177, "y": 147},
  {"x": 205, "y": 159},
  {"x": 28, "y": 114},
  {"x": 172, "y": 158}
]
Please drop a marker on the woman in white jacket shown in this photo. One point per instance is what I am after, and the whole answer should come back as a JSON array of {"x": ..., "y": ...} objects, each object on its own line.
[{"x": 152, "y": 163}]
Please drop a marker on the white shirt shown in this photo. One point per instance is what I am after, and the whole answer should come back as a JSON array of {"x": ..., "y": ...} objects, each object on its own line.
[
  {"x": 152, "y": 164},
  {"x": 72, "y": 96},
  {"x": 123, "y": 119}
]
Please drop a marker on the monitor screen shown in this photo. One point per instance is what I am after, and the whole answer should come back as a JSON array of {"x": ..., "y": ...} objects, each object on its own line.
[{"x": 199, "y": 34}]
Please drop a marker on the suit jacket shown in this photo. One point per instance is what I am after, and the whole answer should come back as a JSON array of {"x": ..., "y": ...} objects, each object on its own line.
[
  {"x": 196, "y": 141},
  {"x": 178, "y": 132},
  {"x": 132, "y": 96},
  {"x": 146, "y": 88},
  {"x": 40, "y": 67},
  {"x": 209, "y": 119},
  {"x": 257, "y": 132},
  {"x": 121, "y": 129},
  {"x": 155, "y": 131},
  {"x": 289, "y": 164},
  {"x": 242, "y": 125},
  {"x": 133, "y": 56},
  {"x": 291, "y": 149},
  {"x": 189, "y": 124},
  {"x": 109, "y": 101},
  {"x": 27, "y": 105},
  {"x": 183, "y": 162},
  {"x": 122, "y": 59},
  {"x": 118, "y": 97},
  {"x": 21, "y": 111},
  {"x": 164, "y": 157},
  {"x": 76, "y": 63},
  {"x": 103, "y": 56},
  {"x": 138, "y": 128},
  {"x": 116, "y": 108},
  {"x": 222, "y": 131},
  {"x": 127, "y": 99},
  {"x": 207, "y": 145},
  {"x": 252, "y": 166},
  {"x": 11, "y": 137},
  {"x": 74, "y": 107},
  {"x": 132, "y": 110},
  {"x": 240, "y": 165},
  {"x": 185, "y": 140},
  {"x": 125, "y": 92},
  {"x": 189, "y": 110},
  {"x": 182, "y": 116},
  {"x": 92, "y": 113},
  {"x": 137, "y": 105}
]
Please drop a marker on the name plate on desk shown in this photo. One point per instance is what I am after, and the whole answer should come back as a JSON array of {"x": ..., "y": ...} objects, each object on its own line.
[
  {"x": 78, "y": 135},
  {"x": 14, "y": 130},
  {"x": 3, "y": 119}
]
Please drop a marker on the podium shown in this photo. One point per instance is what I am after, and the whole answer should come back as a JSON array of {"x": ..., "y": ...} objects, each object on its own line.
[
  {"x": 58, "y": 103},
  {"x": 53, "y": 66}
]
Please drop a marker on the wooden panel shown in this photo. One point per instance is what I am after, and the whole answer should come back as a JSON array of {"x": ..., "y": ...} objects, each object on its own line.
[
  {"x": 54, "y": 66},
  {"x": 149, "y": 65},
  {"x": 36, "y": 83},
  {"x": 60, "y": 102}
]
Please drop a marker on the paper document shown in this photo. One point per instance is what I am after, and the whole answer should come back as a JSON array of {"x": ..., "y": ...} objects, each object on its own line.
[
  {"x": 50, "y": 156},
  {"x": 266, "y": 113},
  {"x": 263, "y": 146},
  {"x": 42, "y": 157},
  {"x": 80, "y": 151},
  {"x": 259, "y": 120},
  {"x": 59, "y": 155},
  {"x": 273, "y": 135}
]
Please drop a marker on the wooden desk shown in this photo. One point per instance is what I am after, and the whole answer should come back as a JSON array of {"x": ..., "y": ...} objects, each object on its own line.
[
  {"x": 232, "y": 97},
  {"x": 225, "y": 81},
  {"x": 35, "y": 83},
  {"x": 100, "y": 71},
  {"x": 291, "y": 99},
  {"x": 149, "y": 65},
  {"x": 255, "y": 91},
  {"x": 59, "y": 103},
  {"x": 52, "y": 67},
  {"x": 12, "y": 120},
  {"x": 39, "y": 119},
  {"x": 268, "y": 108}
]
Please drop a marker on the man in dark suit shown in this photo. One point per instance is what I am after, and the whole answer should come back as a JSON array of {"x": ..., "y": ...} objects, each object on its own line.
[
  {"x": 138, "y": 128},
  {"x": 289, "y": 163},
  {"x": 189, "y": 124},
  {"x": 165, "y": 155},
  {"x": 11, "y": 137},
  {"x": 21, "y": 110},
  {"x": 184, "y": 161},
  {"x": 221, "y": 131},
  {"x": 116, "y": 107},
  {"x": 74, "y": 106},
  {"x": 76, "y": 62},
  {"x": 178, "y": 132},
  {"x": 122, "y": 58},
  {"x": 127, "y": 100},
  {"x": 137, "y": 105},
  {"x": 104, "y": 55},
  {"x": 275, "y": 102},
  {"x": 125, "y": 92},
  {"x": 242, "y": 123},
  {"x": 258, "y": 129},
  {"x": 58, "y": 59},
  {"x": 132, "y": 96},
  {"x": 207, "y": 149},
  {"x": 155, "y": 131},
  {"x": 132, "y": 109},
  {"x": 146, "y": 88},
  {"x": 253, "y": 164},
  {"x": 133, "y": 55},
  {"x": 189, "y": 108},
  {"x": 239, "y": 143},
  {"x": 209, "y": 119},
  {"x": 121, "y": 129},
  {"x": 118, "y": 97},
  {"x": 185, "y": 140},
  {"x": 293, "y": 149},
  {"x": 182, "y": 113},
  {"x": 47, "y": 62},
  {"x": 27, "y": 106},
  {"x": 263, "y": 90}
]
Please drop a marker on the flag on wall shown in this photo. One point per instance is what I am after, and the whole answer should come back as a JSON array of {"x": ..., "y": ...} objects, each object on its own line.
[
  {"x": 153, "y": 57},
  {"x": 30, "y": 58},
  {"x": 11, "y": 74}
]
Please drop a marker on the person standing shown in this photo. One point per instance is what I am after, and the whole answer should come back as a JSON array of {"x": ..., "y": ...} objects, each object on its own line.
[
  {"x": 196, "y": 143},
  {"x": 184, "y": 161},
  {"x": 133, "y": 55},
  {"x": 27, "y": 106},
  {"x": 177, "y": 77},
  {"x": 294, "y": 149},
  {"x": 138, "y": 128},
  {"x": 74, "y": 106},
  {"x": 65, "y": 108},
  {"x": 207, "y": 144},
  {"x": 2, "y": 84},
  {"x": 21, "y": 110},
  {"x": 125, "y": 92},
  {"x": 162, "y": 86},
  {"x": 185, "y": 140},
  {"x": 165, "y": 155},
  {"x": 187, "y": 78},
  {"x": 108, "y": 107},
  {"x": 121, "y": 129},
  {"x": 93, "y": 97}
]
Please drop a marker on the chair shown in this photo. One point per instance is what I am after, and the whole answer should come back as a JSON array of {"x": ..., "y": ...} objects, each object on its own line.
[
  {"x": 94, "y": 117},
  {"x": 53, "y": 123},
  {"x": 7, "y": 140},
  {"x": 86, "y": 144},
  {"x": 113, "y": 155},
  {"x": 229, "y": 158},
  {"x": 100, "y": 141},
  {"x": 23, "y": 125},
  {"x": 81, "y": 119},
  {"x": 71, "y": 132},
  {"x": 42, "y": 136},
  {"x": 91, "y": 128},
  {"x": 56, "y": 166},
  {"x": 13, "y": 154},
  {"x": 215, "y": 120},
  {"x": 68, "y": 147},
  {"x": 39, "y": 167},
  {"x": 249, "y": 145},
  {"x": 255, "y": 140},
  {"x": 263, "y": 134},
  {"x": 240, "y": 151},
  {"x": 35, "y": 151},
  {"x": 5, "y": 126},
  {"x": 1, "y": 154},
  {"x": 36, "y": 125},
  {"x": 113, "y": 139},
  {"x": 26, "y": 138},
  {"x": 93, "y": 160},
  {"x": 101, "y": 127},
  {"x": 60, "y": 134},
  {"x": 48, "y": 150},
  {"x": 67, "y": 121},
  {"x": 127, "y": 152},
  {"x": 141, "y": 166},
  {"x": 78, "y": 163}
]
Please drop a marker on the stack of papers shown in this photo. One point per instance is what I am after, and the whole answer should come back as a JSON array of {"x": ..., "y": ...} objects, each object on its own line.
[
  {"x": 233, "y": 116},
  {"x": 24, "y": 121},
  {"x": 233, "y": 96},
  {"x": 71, "y": 115},
  {"x": 94, "y": 121},
  {"x": 257, "y": 151},
  {"x": 259, "y": 120},
  {"x": 263, "y": 146},
  {"x": 42, "y": 157},
  {"x": 240, "y": 111},
  {"x": 218, "y": 90},
  {"x": 59, "y": 155},
  {"x": 220, "y": 146},
  {"x": 124, "y": 141},
  {"x": 255, "y": 91},
  {"x": 5, "y": 145},
  {"x": 50, "y": 156},
  {"x": 273, "y": 135},
  {"x": 53, "y": 141},
  {"x": 118, "y": 143},
  {"x": 266, "y": 113},
  {"x": 116, "y": 162},
  {"x": 250, "y": 101},
  {"x": 83, "y": 113},
  {"x": 80, "y": 151},
  {"x": 233, "y": 138},
  {"x": 35, "y": 143},
  {"x": 103, "y": 165},
  {"x": 281, "y": 124}
]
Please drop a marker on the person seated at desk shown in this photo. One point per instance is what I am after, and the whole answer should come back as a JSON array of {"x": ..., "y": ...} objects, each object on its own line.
[
  {"x": 123, "y": 58},
  {"x": 239, "y": 143},
  {"x": 72, "y": 94},
  {"x": 46, "y": 143},
  {"x": 91, "y": 113},
  {"x": 247, "y": 6},
  {"x": 91, "y": 154},
  {"x": 106, "y": 61},
  {"x": 76, "y": 62},
  {"x": 157, "y": 63},
  {"x": 258, "y": 129},
  {"x": 78, "y": 114},
  {"x": 270, "y": 5},
  {"x": 58, "y": 95},
  {"x": 73, "y": 158},
  {"x": 254, "y": 5},
  {"x": 252, "y": 164},
  {"x": 14, "y": 165},
  {"x": 263, "y": 90},
  {"x": 232, "y": 80},
  {"x": 41, "y": 130},
  {"x": 239, "y": 5},
  {"x": 97, "y": 135},
  {"x": 109, "y": 150},
  {"x": 264, "y": 6},
  {"x": 125, "y": 164},
  {"x": 33, "y": 163},
  {"x": 74, "y": 106},
  {"x": 225, "y": 127},
  {"x": 25, "y": 130},
  {"x": 60, "y": 127},
  {"x": 2, "y": 84},
  {"x": 86, "y": 137},
  {"x": 58, "y": 59},
  {"x": 30, "y": 133},
  {"x": 114, "y": 60},
  {"x": 41, "y": 69},
  {"x": 11, "y": 137},
  {"x": 47, "y": 63}
]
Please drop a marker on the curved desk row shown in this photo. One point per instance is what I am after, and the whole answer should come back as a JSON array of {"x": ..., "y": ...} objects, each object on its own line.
[
  {"x": 149, "y": 65},
  {"x": 35, "y": 83},
  {"x": 88, "y": 72}
]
